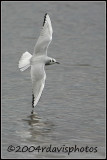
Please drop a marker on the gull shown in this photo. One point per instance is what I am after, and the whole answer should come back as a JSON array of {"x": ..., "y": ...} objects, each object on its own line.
[{"x": 38, "y": 60}]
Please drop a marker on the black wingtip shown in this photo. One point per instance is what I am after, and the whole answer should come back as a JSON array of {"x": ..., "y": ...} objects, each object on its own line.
[
  {"x": 32, "y": 100},
  {"x": 44, "y": 19}
]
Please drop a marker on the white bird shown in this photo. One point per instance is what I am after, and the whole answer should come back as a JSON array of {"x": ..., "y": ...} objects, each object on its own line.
[{"x": 38, "y": 60}]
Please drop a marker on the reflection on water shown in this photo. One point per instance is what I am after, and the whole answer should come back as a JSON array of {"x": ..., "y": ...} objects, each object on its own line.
[
  {"x": 34, "y": 119},
  {"x": 39, "y": 127}
]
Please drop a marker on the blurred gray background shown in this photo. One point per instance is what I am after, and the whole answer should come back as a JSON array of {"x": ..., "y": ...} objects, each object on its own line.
[{"x": 71, "y": 110}]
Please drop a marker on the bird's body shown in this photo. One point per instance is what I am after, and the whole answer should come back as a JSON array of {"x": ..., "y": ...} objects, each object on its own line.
[{"x": 38, "y": 60}]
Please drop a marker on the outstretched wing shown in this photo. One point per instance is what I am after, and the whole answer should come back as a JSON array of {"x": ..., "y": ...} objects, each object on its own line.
[
  {"x": 38, "y": 77},
  {"x": 45, "y": 37}
]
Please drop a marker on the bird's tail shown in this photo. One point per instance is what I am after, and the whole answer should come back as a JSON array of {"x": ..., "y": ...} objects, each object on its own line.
[{"x": 24, "y": 61}]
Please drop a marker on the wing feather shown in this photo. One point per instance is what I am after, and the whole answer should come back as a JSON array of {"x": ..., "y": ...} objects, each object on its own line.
[
  {"x": 45, "y": 37},
  {"x": 38, "y": 77}
]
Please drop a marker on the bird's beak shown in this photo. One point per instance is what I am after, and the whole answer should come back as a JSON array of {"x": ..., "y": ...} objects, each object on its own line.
[{"x": 57, "y": 62}]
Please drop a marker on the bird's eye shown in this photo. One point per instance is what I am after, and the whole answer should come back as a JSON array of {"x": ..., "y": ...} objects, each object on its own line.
[{"x": 52, "y": 60}]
